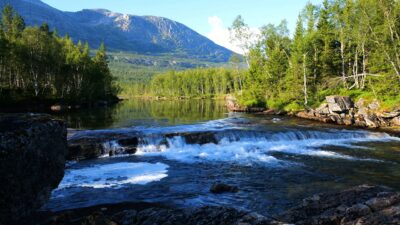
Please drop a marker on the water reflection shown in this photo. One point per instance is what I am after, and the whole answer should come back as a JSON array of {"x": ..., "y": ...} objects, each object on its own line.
[{"x": 139, "y": 112}]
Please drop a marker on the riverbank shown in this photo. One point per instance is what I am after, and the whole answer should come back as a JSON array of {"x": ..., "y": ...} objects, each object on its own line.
[{"x": 340, "y": 110}]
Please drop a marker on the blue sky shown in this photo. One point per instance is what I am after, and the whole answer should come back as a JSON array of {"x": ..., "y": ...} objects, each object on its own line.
[{"x": 208, "y": 17}]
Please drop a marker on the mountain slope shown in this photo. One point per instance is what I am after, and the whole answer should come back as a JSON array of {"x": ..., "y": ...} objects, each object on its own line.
[{"x": 121, "y": 32}]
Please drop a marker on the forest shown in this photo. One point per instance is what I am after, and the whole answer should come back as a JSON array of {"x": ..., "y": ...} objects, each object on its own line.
[
  {"x": 348, "y": 47},
  {"x": 37, "y": 64},
  {"x": 203, "y": 83}
]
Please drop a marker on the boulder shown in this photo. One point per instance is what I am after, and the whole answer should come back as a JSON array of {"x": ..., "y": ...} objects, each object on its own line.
[
  {"x": 323, "y": 109},
  {"x": 232, "y": 104},
  {"x": 339, "y": 104},
  {"x": 32, "y": 159},
  {"x": 93, "y": 144},
  {"x": 372, "y": 121},
  {"x": 359, "y": 205},
  {"x": 219, "y": 188},
  {"x": 395, "y": 121}
]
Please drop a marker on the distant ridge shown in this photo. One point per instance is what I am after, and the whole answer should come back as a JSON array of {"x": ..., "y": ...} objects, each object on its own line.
[{"x": 137, "y": 34}]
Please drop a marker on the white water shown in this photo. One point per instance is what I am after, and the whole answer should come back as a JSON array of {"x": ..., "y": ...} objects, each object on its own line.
[
  {"x": 114, "y": 175},
  {"x": 248, "y": 148}
]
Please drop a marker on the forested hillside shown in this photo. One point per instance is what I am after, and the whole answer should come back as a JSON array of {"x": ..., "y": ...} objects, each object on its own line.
[
  {"x": 202, "y": 83},
  {"x": 37, "y": 64},
  {"x": 349, "y": 47}
]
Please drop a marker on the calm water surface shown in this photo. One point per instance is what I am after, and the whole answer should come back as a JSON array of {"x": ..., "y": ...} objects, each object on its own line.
[{"x": 275, "y": 161}]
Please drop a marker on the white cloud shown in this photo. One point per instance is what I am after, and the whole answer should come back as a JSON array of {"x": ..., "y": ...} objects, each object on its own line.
[{"x": 221, "y": 35}]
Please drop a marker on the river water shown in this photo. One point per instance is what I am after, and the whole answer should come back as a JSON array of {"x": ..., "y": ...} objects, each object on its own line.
[{"x": 274, "y": 161}]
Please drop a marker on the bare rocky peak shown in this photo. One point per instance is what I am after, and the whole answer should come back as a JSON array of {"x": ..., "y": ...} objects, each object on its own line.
[{"x": 122, "y": 32}]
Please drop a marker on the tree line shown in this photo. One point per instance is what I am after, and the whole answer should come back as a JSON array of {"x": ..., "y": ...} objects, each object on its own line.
[
  {"x": 349, "y": 47},
  {"x": 202, "y": 82},
  {"x": 37, "y": 64},
  {"x": 341, "y": 47}
]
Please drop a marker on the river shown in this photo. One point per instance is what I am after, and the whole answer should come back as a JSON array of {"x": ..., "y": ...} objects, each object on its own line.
[{"x": 274, "y": 161}]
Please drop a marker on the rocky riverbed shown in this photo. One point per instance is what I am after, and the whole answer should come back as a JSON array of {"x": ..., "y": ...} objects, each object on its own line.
[{"x": 366, "y": 205}]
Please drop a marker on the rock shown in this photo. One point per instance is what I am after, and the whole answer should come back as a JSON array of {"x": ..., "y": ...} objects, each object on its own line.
[
  {"x": 363, "y": 204},
  {"x": 233, "y": 106},
  {"x": 339, "y": 104},
  {"x": 362, "y": 112},
  {"x": 389, "y": 115},
  {"x": 395, "y": 121},
  {"x": 360, "y": 103},
  {"x": 58, "y": 108},
  {"x": 374, "y": 105},
  {"x": 93, "y": 144},
  {"x": 311, "y": 116},
  {"x": 371, "y": 122},
  {"x": 322, "y": 109},
  {"x": 207, "y": 215},
  {"x": 383, "y": 201},
  {"x": 32, "y": 159},
  {"x": 270, "y": 112},
  {"x": 219, "y": 188},
  {"x": 199, "y": 138}
]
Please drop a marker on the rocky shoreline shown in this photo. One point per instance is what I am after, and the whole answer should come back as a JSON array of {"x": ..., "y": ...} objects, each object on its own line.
[
  {"x": 366, "y": 205},
  {"x": 340, "y": 110}
]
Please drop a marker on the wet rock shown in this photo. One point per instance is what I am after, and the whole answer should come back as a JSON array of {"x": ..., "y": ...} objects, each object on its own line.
[
  {"x": 359, "y": 205},
  {"x": 32, "y": 158},
  {"x": 383, "y": 201},
  {"x": 208, "y": 215},
  {"x": 199, "y": 138},
  {"x": 129, "y": 144},
  {"x": 91, "y": 144},
  {"x": 219, "y": 188}
]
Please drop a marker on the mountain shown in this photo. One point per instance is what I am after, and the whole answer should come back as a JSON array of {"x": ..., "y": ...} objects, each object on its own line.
[{"x": 148, "y": 35}]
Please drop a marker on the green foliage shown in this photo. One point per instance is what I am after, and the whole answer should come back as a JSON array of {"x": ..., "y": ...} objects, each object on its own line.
[
  {"x": 203, "y": 83},
  {"x": 342, "y": 47},
  {"x": 35, "y": 63}
]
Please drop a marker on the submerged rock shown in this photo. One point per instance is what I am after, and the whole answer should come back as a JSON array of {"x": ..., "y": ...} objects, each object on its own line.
[
  {"x": 91, "y": 144},
  {"x": 219, "y": 188},
  {"x": 32, "y": 158}
]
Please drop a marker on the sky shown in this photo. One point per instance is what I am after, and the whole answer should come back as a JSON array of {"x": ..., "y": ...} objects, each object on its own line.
[{"x": 210, "y": 18}]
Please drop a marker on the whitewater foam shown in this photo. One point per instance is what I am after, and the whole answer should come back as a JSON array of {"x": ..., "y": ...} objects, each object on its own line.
[
  {"x": 114, "y": 175},
  {"x": 249, "y": 148}
]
